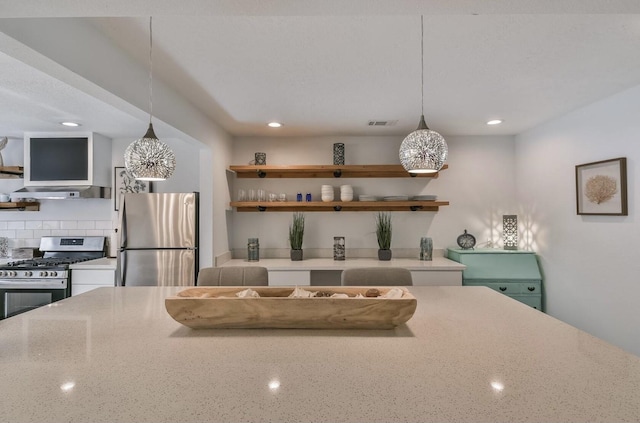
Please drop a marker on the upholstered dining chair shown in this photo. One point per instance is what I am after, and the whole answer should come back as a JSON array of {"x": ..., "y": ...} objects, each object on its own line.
[
  {"x": 376, "y": 276},
  {"x": 233, "y": 276}
]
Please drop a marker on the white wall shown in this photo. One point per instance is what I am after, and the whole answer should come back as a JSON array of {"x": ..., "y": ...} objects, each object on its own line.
[
  {"x": 479, "y": 185},
  {"x": 591, "y": 263}
]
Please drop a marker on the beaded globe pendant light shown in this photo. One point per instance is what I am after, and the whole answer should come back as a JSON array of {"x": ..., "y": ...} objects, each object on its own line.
[
  {"x": 148, "y": 158},
  {"x": 423, "y": 150}
]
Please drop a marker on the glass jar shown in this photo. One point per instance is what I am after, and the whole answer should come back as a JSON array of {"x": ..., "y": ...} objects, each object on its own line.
[
  {"x": 426, "y": 249},
  {"x": 253, "y": 249}
]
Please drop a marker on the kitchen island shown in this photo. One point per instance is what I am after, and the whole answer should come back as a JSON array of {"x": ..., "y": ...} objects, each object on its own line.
[{"x": 467, "y": 354}]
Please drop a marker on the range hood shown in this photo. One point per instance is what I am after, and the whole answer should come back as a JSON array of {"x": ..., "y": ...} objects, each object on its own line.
[
  {"x": 64, "y": 165},
  {"x": 62, "y": 193}
]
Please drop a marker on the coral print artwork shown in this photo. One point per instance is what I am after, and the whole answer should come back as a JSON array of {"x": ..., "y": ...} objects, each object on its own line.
[
  {"x": 124, "y": 182},
  {"x": 601, "y": 188}
]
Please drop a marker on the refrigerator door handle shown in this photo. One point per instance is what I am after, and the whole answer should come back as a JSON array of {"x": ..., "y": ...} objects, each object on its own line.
[
  {"x": 123, "y": 224},
  {"x": 121, "y": 265}
]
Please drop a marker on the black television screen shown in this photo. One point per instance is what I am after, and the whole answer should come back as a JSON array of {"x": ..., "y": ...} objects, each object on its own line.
[{"x": 59, "y": 159}]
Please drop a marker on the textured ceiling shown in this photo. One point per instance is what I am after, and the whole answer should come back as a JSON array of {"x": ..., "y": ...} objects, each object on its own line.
[{"x": 329, "y": 70}]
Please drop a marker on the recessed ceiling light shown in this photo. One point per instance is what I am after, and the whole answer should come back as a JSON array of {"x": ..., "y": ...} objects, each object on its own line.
[
  {"x": 494, "y": 122},
  {"x": 274, "y": 124},
  {"x": 73, "y": 124}
]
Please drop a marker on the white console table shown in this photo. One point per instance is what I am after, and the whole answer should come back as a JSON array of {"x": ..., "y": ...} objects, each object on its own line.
[{"x": 325, "y": 271}]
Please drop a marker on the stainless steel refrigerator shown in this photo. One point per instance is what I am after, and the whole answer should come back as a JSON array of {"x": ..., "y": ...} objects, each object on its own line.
[{"x": 158, "y": 239}]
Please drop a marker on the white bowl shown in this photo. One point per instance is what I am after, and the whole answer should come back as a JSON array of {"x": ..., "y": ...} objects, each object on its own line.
[{"x": 368, "y": 198}]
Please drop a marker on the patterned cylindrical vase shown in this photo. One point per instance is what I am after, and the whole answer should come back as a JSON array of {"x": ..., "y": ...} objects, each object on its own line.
[
  {"x": 510, "y": 231},
  {"x": 4, "y": 247},
  {"x": 426, "y": 249},
  {"x": 261, "y": 159},
  {"x": 338, "y": 248},
  {"x": 338, "y": 153}
]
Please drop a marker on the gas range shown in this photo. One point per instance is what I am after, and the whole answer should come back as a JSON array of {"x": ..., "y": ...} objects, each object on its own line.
[
  {"x": 40, "y": 267},
  {"x": 27, "y": 284},
  {"x": 59, "y": 254}
]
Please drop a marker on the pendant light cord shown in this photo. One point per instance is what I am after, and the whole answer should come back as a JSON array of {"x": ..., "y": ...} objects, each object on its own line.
[
  {"x": 422, "y": 55},
  {"x": 150, "y": 70}
]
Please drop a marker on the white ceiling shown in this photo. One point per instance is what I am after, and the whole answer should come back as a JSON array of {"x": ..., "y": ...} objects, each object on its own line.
[{"x": 327, "y": 68}]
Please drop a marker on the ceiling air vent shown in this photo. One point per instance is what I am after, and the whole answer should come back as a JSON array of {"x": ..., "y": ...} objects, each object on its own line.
[{"x": 382, "y": 122}]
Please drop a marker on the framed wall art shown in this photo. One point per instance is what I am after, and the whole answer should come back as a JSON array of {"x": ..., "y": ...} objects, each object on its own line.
[
  {"x": 601, "y": 188},
  {"x": 124, "y": 182}
]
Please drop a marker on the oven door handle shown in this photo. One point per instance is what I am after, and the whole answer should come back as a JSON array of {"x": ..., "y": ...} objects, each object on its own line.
[{"x": 33, "y": 284}]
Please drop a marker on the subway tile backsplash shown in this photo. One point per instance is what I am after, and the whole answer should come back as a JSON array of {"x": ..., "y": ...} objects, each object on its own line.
[
  {"x": 68, "y": 224},
  {"x": 15, "y": 224},
  {"x": 27, "y": 233},
  {"x": 85, "y": 224},
  {"x": 33, "y": 224}
]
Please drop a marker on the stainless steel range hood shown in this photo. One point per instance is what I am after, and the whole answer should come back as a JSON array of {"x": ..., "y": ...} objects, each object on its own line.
[{"x": 62, "y": 193}]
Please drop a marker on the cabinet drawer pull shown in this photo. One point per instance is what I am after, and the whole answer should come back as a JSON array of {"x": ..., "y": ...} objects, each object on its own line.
[
  {"x": 531, "y": 288},
  {"x": 503, "y": 288}
]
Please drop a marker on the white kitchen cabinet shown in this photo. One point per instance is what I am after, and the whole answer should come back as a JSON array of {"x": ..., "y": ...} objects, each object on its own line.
[
  {"x": 326, "y": 271},
  {"x": 436, "y": 278},
  {"x": 83, "y": 280},
  {"x": 289, "y": 277},
  {"x": 92, "y": 274}
]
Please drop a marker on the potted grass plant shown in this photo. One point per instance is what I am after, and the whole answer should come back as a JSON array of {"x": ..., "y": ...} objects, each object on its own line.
[
  {"x": 383, "y": 233},
  {"x": 296, "y": 233}
]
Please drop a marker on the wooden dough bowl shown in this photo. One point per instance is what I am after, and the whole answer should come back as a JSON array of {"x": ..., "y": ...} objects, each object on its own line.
[{"x": 205, "y": 308}]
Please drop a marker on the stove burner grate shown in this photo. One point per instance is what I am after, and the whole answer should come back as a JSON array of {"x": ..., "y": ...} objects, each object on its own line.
[{"x": 48, "y": 262}]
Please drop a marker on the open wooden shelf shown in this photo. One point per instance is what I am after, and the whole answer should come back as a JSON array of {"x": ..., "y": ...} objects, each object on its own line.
[
  {"x": 332, "y": 171},
  {"x": 327, "y": 171},
  {"x": 277, "y": 206},
  {"x": 9, "y": 171},
  {"x": 21, "y": 206}
]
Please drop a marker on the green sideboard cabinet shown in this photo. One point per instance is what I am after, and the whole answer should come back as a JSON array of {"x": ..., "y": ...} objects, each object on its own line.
[{"x": 513, "y": 273}]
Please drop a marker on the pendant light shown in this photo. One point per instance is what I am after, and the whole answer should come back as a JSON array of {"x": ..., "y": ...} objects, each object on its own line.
[
  {"x": 148, "y": 158},
  {"x": 423, "y": 150}
]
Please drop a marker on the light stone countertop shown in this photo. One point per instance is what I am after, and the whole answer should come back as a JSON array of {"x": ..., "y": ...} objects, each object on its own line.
[
  {"x": 438, "y": 263},
  {"x": 468, "y": 354},
  {"x": 105, "y": 263}
]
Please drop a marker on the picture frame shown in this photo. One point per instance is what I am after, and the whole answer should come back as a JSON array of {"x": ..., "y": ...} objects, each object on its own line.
[
  {"x": 124, "y": 182},
  {"x": 601, "y": 188}
]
